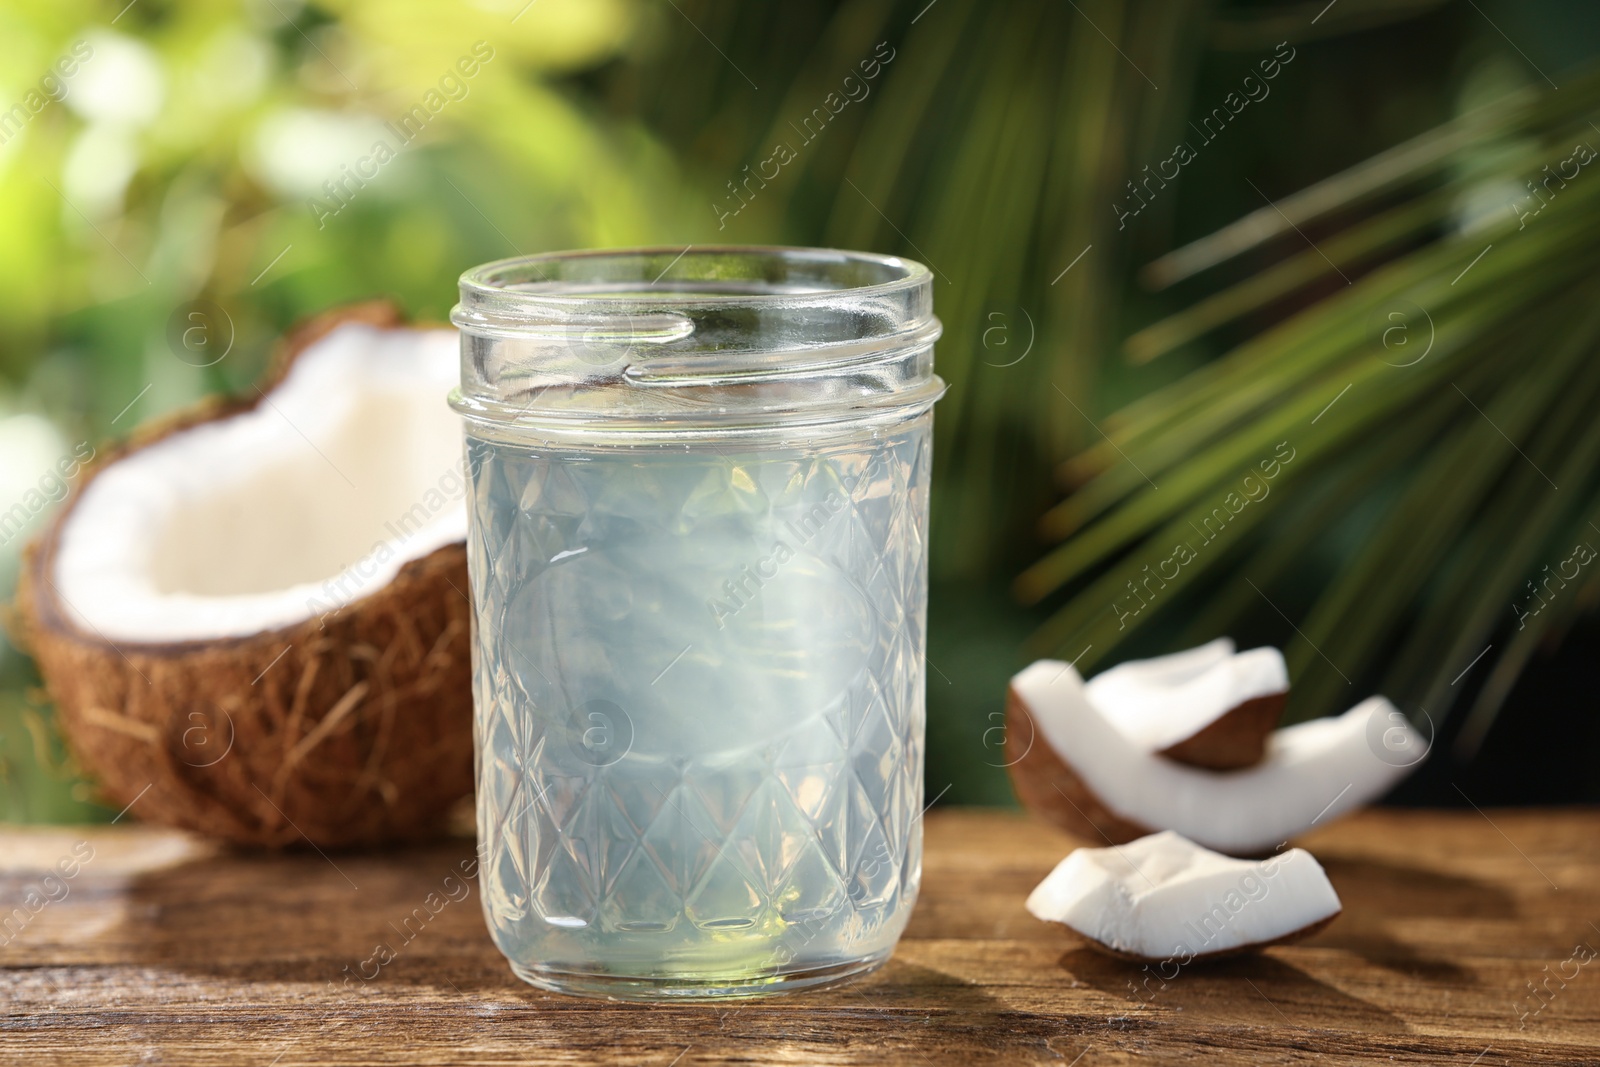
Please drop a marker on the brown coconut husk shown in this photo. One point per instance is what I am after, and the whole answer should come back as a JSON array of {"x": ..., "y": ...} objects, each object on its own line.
[
  {"x": 1235, "y": 739},
  {"x": 351, "y": 729},
  {"x": 1048, "y": 787}
]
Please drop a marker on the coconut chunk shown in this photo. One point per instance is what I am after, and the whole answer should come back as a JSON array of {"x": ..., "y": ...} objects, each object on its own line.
[
  {"x": 1163, "y": 897},
  {"x": 253, "y": 616},
  {"x": 1208, "y": 706},
  {"x": 312, "y": 499},
  {"x": 1086, "y": 774}
]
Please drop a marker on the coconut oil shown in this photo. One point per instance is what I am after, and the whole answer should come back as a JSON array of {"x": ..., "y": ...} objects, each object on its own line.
[{"x": 699, "y": 694}]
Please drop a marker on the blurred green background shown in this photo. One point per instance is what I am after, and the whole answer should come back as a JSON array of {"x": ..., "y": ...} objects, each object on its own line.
[{"x": 204, "y": 152}]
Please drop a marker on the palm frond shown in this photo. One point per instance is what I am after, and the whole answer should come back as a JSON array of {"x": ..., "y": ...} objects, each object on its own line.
[
  {"x": 977, "y": 150},
  {"x": 1430, "y": 484}
]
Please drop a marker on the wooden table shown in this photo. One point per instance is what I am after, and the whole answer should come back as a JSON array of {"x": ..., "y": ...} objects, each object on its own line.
[{"x": 165, "y": 949}]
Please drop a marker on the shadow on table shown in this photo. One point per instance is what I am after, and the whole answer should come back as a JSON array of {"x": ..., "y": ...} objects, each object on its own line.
[
  {"x": 1253, "y": 990},
  {"x": 1381, "y": 899},
  {"x": 345, "y": 920},
  {"x": 297, "y": 929},
  {"x": 379, "y": 922}
]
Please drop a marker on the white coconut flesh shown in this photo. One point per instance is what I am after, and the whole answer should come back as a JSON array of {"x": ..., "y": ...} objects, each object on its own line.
[
  {"x": 348, "y": 469},
  {"x": 1312, "y": 773},
  {"x": 1163, "y": 897},
  {"x": 1160, "y": 702}
]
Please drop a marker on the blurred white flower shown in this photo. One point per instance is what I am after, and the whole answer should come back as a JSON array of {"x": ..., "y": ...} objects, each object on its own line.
[
  {"x": 296, "y": 150},
  {"x": 29, "y": 487},
  {"x": 32, "y": 445},
  {"x": 233, "y": 69},
  {"x": 98, "y": 167},
  {"x": 121, "y": 82}
]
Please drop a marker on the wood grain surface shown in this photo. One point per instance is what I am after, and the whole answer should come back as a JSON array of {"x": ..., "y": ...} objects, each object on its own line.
[{"x": 161, "y": 948}]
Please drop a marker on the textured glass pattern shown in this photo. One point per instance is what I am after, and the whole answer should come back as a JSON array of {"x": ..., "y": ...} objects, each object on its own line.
[{"x": 699, "y": 698}]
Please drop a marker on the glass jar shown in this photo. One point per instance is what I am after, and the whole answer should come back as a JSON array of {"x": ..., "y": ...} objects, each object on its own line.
[{"x": 698, "y": 550}]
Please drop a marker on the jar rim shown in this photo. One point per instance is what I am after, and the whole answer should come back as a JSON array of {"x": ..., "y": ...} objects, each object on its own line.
[
  {"x": 496, "y": 279},
  {"x": 711, "y": 338}
]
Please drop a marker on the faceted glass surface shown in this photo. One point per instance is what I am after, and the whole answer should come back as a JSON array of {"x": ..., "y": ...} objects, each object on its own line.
[{"x": 699, "y": 696}]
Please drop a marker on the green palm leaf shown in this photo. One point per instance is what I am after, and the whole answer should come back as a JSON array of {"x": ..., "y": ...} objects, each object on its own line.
[{"x": 1430, "y": 484}]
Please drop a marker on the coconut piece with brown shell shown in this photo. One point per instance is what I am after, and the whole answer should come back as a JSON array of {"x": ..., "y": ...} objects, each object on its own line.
[
  {"x": 1071, "y": 765},
  {"x": 1208, "y": 706},
  {"x": 253, "y": 618}
]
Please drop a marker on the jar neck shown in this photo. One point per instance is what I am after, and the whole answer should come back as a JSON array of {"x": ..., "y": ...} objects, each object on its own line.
[{"x": 712, "y": 339}]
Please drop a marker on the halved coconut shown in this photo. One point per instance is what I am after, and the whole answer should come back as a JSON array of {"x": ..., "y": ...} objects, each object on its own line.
[
  {"x": 1091, "y": 779},
  {"x": 1208, "y": 706},
  {"x": 253, "y": 619},
  {"x": 1164, "y": 898}
]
